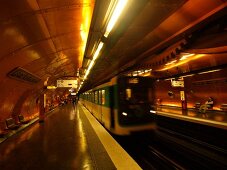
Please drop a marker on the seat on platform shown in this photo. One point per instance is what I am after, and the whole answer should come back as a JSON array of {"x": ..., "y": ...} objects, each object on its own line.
[
  {"x": 10, "y": 123},
  {"x": 22, "y": 120},
  {"x": 197, "y": 105}
]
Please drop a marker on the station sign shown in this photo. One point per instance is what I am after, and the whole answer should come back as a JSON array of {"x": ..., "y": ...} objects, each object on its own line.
[
  {"x": 67, "y": 83},
  {"x": 133, "y": 81},
  {"x": 177, "y": 83}
]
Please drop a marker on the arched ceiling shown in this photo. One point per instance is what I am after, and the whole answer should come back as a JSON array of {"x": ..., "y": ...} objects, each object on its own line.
[
  {"x": 56, "y": 39},
  {"x": 47, "y": 38}
]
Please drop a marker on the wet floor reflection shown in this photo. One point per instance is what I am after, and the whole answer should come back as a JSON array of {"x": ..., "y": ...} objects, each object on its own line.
[{"x": 58, "y": 143}]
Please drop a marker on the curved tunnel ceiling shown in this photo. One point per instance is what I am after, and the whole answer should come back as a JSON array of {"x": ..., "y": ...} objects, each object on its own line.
[
  {"x": 44, "y": 37},
  {"x": 57, "y": 38}
]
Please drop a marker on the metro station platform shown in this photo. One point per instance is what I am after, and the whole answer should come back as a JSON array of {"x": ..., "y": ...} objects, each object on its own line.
[
  {"x": 210, "y": 117},
  {"x": 69, "y": 138}
]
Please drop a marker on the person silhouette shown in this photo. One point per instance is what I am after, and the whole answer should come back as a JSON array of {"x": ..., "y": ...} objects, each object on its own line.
[{"x": 208, "y": 104}]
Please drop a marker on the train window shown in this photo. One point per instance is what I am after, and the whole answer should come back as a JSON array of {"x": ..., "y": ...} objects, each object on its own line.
[
  {"x": 89, "y": 96},
  {"x": 100, "y": 97},
  {"x": 96, "y": 97},
  {"x": 92, "y": 96},
  {"x": 103, "y": 97}
]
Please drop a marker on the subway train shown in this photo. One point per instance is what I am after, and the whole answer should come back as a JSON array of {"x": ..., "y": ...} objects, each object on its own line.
[{"x": 122, "y": 105}]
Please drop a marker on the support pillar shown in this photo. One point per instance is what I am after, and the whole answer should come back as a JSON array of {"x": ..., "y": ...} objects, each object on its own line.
[{"x": 42, "y": 108}]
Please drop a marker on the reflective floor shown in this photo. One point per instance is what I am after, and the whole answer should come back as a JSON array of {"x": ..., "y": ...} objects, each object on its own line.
[{"x": 58, "y": 143}]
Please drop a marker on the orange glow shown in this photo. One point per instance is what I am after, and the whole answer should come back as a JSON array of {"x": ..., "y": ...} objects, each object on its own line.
[
  {"x": 192, "y": 114},
  {"x": 85, "y": 25},
  {"x": 172, "y": 104},
  {"x": 216, "y": 108},
  {"x": 180, "y": 62},
  {"x": 15, "y": 34},
  {"x": 219, "y": 118}
]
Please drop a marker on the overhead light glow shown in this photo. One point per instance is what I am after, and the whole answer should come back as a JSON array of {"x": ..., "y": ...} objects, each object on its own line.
[
  {"x": 71, "y": 90},
  {"x": 98, "y": 50},
  {"x": 211, "y": 71},
  {"x": 171, "y": 62},
  {"x": 194, "y": 57},
  {"x": 91, "y": 64},
  {"x": 152, "y": 111},
  {"x": 125, "y": 114},
  {"x": 186, "y": 55},
  {"x": 168, "y": 79},
  {"x": 189, "y": 75},
  {"x": 116, "y": 14},
  {"x": 51, "y": 87},
  {"x": 85, "y": 22}
]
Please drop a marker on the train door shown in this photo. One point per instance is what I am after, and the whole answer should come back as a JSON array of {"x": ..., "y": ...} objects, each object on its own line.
[
  {"x": 102, "y": 103},
  {"x": 100, "y": 106},
  {"x": 111, "y": 105}
]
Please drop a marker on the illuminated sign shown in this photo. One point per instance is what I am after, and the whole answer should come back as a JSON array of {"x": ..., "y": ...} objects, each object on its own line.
[
  {"x": 182, "y": 96},
  {"x": 67, "y": 83},
  {"x": 178, "y": 83},
  {"x": 133, "y": 80}
]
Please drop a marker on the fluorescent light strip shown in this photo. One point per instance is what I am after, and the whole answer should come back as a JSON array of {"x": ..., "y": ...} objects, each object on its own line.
[
  {"x": 174, "y": 61},
  {"x": 98, "y": 50},
  {"x": 185, "y": 56},
  {"x": 116, "y": 13},
  {"x": 209, "y": 71},
  {"x": 168, "y": 79},
  {"x": 188, "y": 75},
  {"x": 93, "y": 59}
]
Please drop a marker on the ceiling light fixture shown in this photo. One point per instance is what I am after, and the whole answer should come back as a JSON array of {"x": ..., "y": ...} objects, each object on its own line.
[
  {"x": 186, "y": 55},
  {"x": 93, "y": 59},
  {"x": 211, "y": 71},
  {"x": 171, "y": 62},
  {"x": 189, "y": 75},
  {"x": 118, "y": 8}
]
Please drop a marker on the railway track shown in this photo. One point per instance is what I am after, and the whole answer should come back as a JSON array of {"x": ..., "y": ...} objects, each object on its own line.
[{"x": 167, "y": 150}]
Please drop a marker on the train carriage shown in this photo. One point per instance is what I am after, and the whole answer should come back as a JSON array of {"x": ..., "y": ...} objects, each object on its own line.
[{"x": 122, "y": 105}]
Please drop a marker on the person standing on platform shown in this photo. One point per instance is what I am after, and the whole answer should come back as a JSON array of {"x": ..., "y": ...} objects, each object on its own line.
[{"x": 74, "y": 101}]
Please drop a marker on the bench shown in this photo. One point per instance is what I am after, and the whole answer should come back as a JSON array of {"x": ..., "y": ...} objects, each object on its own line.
[
  {"x": 197, "y": 105},
  {"x": 22, "y": 120},
  {"x": 223, "y": 107},
  {"x": 10, "y": 124}
]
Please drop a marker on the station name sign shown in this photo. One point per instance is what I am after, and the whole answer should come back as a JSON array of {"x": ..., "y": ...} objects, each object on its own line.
[
  {"x": 177, "y": 83},
  {"x": 67, "y": 83}
]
